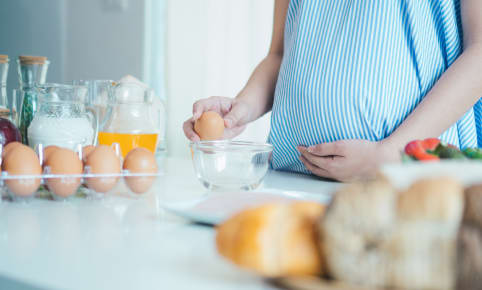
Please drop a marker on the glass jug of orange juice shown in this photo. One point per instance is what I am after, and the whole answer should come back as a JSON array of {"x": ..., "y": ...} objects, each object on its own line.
[{"x": 130, "y": 121}]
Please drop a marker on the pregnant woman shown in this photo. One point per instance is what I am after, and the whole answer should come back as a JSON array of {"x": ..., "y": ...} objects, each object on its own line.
[{"x": 350, "y": 82}]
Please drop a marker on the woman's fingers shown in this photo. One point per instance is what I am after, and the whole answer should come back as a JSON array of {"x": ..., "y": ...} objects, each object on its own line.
[
  {"x": 188, "y": 128},
  {"x": 327, "y": 163},
  {"x": 234, "y": 113},
  {"x": 238, "y": 113},
  {"x": 337, "y": 148},
  {"x": 200, "y": 107},
  {"x": 225, "y": 104},
  {"x": 221, "y": 105},
  {"x": 233, "y": 132},
  {"x": 315, "y": 169}
]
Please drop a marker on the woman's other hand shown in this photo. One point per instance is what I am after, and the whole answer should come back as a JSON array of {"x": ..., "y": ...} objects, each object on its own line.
[
  {"x": 347, "y": 160},
  {"x": 236, "y": 115}
]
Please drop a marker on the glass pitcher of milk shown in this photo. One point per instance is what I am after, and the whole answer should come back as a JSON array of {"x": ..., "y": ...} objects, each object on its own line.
[{"x": 62, "y": 118}]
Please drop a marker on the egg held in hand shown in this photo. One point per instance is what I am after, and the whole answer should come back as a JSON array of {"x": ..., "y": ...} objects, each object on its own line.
[
  {"x": 64, "y": 161},
  {"x": 140, "y": 160},
  {"x": 210, "y": 126},
  {"x": 22, "y": 160},
  {"x": 103, "y": 160}
]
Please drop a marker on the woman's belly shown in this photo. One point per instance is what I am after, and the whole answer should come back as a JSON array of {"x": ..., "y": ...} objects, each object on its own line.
[
  {"x": 352, "y": 96},
  {"x": 353, "y": 72}
]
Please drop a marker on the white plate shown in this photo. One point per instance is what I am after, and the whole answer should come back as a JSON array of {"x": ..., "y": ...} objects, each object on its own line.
[
  {"x": 190, "y": 200},
  {"x": 213, "y": 208}
]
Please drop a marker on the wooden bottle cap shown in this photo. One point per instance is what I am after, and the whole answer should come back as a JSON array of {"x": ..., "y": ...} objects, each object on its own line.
[
  {"x": 27, "y": 59},
  {"x": 3, "y": 58}
]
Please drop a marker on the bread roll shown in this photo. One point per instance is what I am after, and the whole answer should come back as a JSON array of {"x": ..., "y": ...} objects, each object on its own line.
[
  {"x": 274, "y": 239},
  {"x": 354, "y": 230},
  {"x": 371, "y": 235},
  {"x": 432, "y": 199},
  {"x": 469, "y": 243},
  {"x": 473, "y": 206}
]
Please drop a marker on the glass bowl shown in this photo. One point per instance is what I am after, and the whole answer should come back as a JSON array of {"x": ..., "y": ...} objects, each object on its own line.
[{"x": 230, "y": 164}]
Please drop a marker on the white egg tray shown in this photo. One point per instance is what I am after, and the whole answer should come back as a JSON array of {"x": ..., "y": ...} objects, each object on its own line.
[{"x": 120, "y": 188}]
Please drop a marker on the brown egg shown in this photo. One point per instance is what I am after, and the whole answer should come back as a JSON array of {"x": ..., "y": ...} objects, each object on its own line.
[
  {"x": 140, "y": 160},
  {"x": 22, "y": 160},
  {"x": 9, "y": 147},
  {"x": 210, "y": 126},
  {"x": 48, "y": 151},
  {"x": 64, "y": 161},
  {"x": 86, "y": 150},
  {"x": 103, "y": 160}
]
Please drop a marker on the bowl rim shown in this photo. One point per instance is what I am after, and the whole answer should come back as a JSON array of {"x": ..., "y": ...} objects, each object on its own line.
[{"x": 226, "y": 146}]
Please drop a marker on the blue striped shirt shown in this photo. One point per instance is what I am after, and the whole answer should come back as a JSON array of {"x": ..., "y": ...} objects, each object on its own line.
[{"x": 355, "y": 69}]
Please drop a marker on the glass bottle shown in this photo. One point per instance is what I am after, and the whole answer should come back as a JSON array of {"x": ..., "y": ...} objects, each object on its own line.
[
  {"x": 4, "y": 111},
  {"x": 159, "y": 112},
  {"x": 32, "y": 71},
  {"x": 130, "y": 121},
  {"x": 99, "y": 98}
]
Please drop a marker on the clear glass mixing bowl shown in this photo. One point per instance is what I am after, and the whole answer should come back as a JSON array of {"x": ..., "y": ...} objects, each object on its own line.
[{"x": 230, "y": 164}]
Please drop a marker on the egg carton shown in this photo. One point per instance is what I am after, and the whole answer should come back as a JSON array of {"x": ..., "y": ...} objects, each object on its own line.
[
  {"x": 124, "y": 183},
  {"x": 67, "y": 186}
]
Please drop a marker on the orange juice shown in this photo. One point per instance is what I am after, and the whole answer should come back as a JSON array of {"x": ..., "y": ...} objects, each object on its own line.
[{"x": 128, "y": 142}]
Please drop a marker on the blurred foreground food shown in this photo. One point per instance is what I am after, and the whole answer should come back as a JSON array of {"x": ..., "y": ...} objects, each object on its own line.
[
  {"x": 275, "y": 239},
  {"x": 370, "y": 235}
]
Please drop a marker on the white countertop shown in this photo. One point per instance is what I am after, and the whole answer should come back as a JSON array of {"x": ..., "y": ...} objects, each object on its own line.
[{"x": 123, "y": 243}]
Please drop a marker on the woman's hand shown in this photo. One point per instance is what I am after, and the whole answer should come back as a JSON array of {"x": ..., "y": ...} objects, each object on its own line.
[
  {"x": 236, "y": 115},
  {"x": 347, "y": 160}
]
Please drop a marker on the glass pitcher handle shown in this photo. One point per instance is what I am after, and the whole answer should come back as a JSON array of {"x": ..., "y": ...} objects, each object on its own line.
[{"x": 95, "y": 121}]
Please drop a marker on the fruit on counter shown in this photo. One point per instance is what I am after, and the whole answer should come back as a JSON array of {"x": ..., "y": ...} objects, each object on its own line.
[
  {"x": 446, "y": 152},
  {"x": 473, "y": 153},
  {"x": 22, "y": 160},
  {"x": 419, "y": 149},
  {"x": 276, "y": 239},
  {"x": 140, "y": 160},
  {"x": 8, "y": 132},
  {"x": 210, "y": 126},
  {"x": 86, "y": 150},
  {"x": 433, "y": 149},
  {"x": 9, "y": 147},
  {"x": 48, "y": 151},
  {"x": 103, "y": 160},
  {"x": 64, "y": 161}
]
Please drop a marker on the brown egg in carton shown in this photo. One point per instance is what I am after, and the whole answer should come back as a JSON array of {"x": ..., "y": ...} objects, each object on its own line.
[{"x": 95, "y": 171}]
